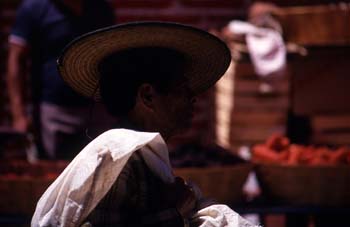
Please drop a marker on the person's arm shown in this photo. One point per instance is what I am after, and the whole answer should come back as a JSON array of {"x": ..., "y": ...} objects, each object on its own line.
[
  {"x": 25, "y": 26},
  {"x": 179, "y": 201},
  {"x": 16, "y": 64}
]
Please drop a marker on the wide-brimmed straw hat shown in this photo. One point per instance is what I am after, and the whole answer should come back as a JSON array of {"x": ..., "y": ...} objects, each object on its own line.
[{"x": 208, "y": 56}]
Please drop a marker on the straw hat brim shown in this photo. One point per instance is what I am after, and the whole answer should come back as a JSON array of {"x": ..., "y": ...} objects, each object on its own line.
[{"x": 208, "y": 56}]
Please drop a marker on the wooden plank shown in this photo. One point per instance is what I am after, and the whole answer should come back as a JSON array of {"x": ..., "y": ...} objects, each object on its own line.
[
  {"x": 235, "y": 145},
  {"x": 338, "y": 122},
  {"x": 261, "y": 103},
  {"x": 253, "y": 133},
  {"x": 331, "y": 138},
  {"x": 245, "y": 70},
  {"x": 214, "y": 3},
  {"x": 316, "y": 25},
  {"x": 321, "y": 81},
  {"x": 156, "y": 4},
  {"x": 298, "y": 3},
  {"x": 258, "y": 118},
  {"x": 252, "y": 87}
]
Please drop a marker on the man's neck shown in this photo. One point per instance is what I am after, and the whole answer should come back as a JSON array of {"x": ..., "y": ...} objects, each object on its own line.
[
  {"x": 126, "y": 123},
  {"x": 136, "y": 124}
]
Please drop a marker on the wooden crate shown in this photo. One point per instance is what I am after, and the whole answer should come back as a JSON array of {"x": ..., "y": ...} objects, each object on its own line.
[
  {"x": 331, "y": 129},
  {"x": 316, "y": 25},
  {"x": 305, "y": 185},
  {"x": 223, "y": 184},
  {"x": 257, "y": 114},
  {"x": 20, "y": 194},
  {"x": 22, "y": 184}
]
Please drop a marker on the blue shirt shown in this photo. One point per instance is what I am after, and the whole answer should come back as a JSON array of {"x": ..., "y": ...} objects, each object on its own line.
[{"x": 47, "y": 26}]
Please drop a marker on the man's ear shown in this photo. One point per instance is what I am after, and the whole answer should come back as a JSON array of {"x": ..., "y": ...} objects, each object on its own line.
[{"x": 146, "y": 95}]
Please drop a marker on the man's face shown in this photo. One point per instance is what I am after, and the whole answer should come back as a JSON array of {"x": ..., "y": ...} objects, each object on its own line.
[{"x": 174, "y": 110}]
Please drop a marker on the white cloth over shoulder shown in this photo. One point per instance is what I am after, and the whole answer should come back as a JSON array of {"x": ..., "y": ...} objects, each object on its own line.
[
  {"x": 87, "y": 179},
  {"x": 72, "y": 196}
]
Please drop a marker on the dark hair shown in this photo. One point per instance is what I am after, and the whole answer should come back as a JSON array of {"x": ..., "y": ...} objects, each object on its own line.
[{"x": 123, "y": 72}]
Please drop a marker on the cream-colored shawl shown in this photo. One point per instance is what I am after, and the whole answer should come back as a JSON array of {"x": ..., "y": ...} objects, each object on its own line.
[{"x": 87, "y": 179}]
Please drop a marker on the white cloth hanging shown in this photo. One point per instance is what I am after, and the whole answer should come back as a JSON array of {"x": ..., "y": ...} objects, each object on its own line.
[{"x": 265, "y": 46}]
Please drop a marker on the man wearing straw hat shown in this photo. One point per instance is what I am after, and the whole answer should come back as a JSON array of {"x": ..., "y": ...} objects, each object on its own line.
[{"x": 147, "y": 74}]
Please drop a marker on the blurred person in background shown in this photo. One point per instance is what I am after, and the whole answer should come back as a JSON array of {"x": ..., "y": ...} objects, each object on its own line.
[{"x": 58, "y": 115}]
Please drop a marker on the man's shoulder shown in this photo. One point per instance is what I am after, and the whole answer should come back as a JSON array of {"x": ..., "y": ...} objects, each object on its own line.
[
  {"x": 28, "y": 16},
  {"x": 32, "y": 9}
]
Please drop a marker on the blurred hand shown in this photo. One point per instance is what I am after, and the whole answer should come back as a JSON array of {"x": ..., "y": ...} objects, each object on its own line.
[{"x": 226, "y": 33}]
